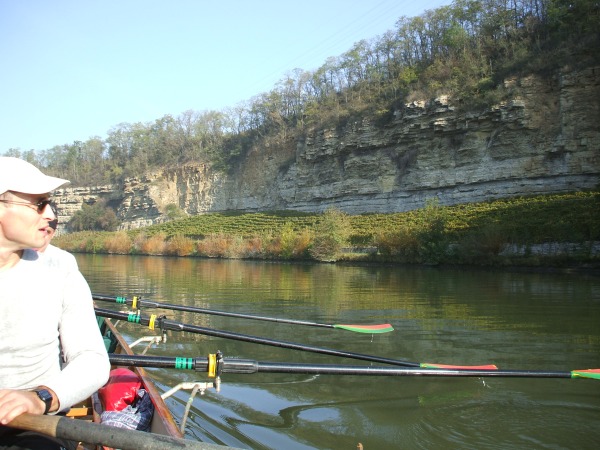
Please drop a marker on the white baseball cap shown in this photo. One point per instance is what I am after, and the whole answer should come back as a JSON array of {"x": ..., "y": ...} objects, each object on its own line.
[{"x": 20, "y": 176}]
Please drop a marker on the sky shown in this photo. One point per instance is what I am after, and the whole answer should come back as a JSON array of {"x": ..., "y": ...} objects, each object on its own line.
[{"x": 74, "y": 69}]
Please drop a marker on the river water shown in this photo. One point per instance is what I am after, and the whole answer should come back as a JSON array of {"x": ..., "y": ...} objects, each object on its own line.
[{"x": 516, "y": 320}]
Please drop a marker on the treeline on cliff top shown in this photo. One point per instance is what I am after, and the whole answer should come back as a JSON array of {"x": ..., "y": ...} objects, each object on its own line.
[{"x": 464, "y": 50}]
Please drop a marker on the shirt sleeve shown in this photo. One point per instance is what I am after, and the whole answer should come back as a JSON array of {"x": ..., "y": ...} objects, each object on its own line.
[{"x": 86, "y": 366}]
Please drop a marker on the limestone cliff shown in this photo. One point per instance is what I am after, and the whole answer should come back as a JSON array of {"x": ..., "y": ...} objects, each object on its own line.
[{"x": 545, "y": 139}]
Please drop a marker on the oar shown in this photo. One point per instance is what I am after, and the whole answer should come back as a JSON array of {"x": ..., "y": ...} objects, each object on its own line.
[
  {"x": 165, "y": 324},
  {"x": 97, "y": 434},
  {"x": 137, "y": 301},
  {"x": 216, "y": 365}
]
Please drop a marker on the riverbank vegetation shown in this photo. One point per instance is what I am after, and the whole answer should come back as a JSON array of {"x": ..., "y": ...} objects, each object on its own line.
[{"x": 548, "y": 230}]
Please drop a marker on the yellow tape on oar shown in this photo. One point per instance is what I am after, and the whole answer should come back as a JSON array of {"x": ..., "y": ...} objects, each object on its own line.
[
  {"x": 134, "y": 302},
  {"x": 587, "y": 373},
  {"x": 212, "y": 365},
  {"x": 152, "y": 320}
]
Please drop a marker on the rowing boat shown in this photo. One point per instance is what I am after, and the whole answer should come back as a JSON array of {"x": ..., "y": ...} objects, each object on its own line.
[{"x": 162, "y": 420}]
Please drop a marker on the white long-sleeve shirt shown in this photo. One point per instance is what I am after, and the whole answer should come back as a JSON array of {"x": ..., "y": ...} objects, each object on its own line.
[
  {"x": 44, "y": 309},
  {"x": 59, "y": 258}
]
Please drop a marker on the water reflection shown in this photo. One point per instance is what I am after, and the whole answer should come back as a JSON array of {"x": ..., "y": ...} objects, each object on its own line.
[{"x": 515, "y": 320}]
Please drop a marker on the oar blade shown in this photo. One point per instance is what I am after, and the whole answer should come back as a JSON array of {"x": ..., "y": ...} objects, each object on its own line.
[
  {"x": 449, "y": 366},
  {"x": 587, "y": 373},
  {"x": 381, "y": 328}
]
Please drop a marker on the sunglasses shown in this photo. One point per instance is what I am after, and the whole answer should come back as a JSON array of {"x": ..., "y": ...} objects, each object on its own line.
[{"x": 40, "y": 206}]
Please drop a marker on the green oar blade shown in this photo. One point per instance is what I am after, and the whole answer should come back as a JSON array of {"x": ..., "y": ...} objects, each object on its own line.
[
  {"x": 587, "y": 373},
  {"x": 381, "y": 328}
]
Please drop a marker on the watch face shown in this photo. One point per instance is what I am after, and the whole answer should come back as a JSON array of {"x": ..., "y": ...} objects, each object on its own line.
[{"x": 46, "y": 397}]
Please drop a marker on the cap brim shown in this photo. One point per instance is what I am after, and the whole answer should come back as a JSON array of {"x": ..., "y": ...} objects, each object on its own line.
[
  {"x": 19, "y": 175},
  {"x": 40, "y": 185}
]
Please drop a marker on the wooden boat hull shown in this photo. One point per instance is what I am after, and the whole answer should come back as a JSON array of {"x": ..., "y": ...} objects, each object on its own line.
[{"x": 162, "y": 420}]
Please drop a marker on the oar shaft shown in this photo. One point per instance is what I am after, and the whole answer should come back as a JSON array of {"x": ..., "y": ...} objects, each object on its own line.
[
  {"x": 214, "y": 312},
  {"x": 178, "y": 326},
  {"x": 97, "y": 434},
  {"x": 318, "y": 369},
  {"x": 247, "y": 366}
]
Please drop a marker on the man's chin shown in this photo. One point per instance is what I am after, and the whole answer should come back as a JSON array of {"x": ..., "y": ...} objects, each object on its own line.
[{"x": 38, "y": 244}]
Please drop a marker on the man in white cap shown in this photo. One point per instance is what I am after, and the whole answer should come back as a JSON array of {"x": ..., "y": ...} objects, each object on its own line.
[{"x": 43, "y": 310}]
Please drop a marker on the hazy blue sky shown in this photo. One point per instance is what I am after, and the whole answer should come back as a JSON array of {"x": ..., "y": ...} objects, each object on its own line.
[{"x": 73, "y": 69}]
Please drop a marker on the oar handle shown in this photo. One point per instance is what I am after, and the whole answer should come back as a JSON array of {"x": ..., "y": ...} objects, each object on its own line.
[
  {"x": 97, "y": 434},
  {"x": 42, "y": 424}
]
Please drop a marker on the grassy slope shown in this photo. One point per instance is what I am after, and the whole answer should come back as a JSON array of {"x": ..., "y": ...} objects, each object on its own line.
[{"x": 570, "y": 217}]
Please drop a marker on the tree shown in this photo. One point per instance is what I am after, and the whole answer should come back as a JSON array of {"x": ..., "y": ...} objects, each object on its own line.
[
  {"x": 95, "y": 217},
  {"x": 331, "y": 235},
  {"x": 432, "y": 237}
]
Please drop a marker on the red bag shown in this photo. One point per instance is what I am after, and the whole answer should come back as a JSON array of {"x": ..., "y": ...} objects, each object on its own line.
[{"x": 120, "y": 390}]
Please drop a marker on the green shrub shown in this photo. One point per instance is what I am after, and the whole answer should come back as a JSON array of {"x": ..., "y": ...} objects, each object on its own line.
[
  {"x": 287, "y": 239},
  {"x": 331, "y": 235},
  {"x": 174, "y": 212},
  {"x": 401, "y": 245},
  {"x": 431, "y": 234},
  {"x": 482, "y": 246},
  {"x": 97, "y": 217}
]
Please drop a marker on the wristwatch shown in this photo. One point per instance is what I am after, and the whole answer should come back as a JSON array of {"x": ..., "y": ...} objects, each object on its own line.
[{"x": 45, "y": 396}]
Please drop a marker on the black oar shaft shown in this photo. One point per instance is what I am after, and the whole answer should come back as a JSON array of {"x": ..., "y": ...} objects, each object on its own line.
[
  {"x": 159, "y": 362},
  {"x": 248, "y": 366},
  {"x": 178, "y": 326},
  {"x": 214, "y": 312},
  {"x": 318, "y": 369}
]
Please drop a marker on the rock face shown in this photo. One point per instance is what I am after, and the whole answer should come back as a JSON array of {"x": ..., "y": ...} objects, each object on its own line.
[{"x": 546, "y": 139}]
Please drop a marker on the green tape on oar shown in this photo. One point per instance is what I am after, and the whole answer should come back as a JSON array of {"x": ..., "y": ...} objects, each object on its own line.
[
  {"x": 588, "y": 373},
  {"x": 133, "y": 317},
  {"x": 381, "y": 328},
  {"x": 184, "y": 363},
  {"x": 449, "y": 366}
]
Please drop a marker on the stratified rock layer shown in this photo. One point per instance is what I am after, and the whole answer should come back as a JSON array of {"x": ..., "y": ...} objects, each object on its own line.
[{"x": 546, "y": 139}]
